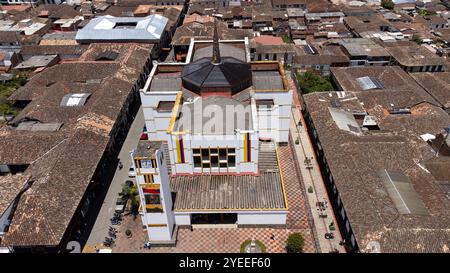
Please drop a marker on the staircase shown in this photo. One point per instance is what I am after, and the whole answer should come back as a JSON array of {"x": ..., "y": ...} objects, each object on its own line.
[
  {"x": 167, "y": 157},
  {"x": 267, "y": 157}
]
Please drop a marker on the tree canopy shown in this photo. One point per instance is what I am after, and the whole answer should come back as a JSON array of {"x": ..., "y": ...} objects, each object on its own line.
[
  {"x": 387, "y": 4},
  {"x": 312, "y": 82}
]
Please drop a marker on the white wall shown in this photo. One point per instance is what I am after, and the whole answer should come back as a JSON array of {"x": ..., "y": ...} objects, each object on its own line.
[
  {"x": 183, "y": 219},
  {"x": 156, "y": 122},
  {"x": 275, "y": 123},
  {"x": 166, "y": 217},
  {"x": 262, "y": 218}
]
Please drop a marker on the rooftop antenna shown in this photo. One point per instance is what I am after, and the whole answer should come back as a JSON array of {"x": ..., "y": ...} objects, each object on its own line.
[{"x": 216, "y": 51}]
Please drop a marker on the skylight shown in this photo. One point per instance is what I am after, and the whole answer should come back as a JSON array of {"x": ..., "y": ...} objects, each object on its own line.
[
  {"x": 74, "y": 99},
  {"x": 107, "y": 56},
  {"x": 345, "y": 120},
  {"x": 402, "y": 193},
  {"x": 368, "y": 83}
]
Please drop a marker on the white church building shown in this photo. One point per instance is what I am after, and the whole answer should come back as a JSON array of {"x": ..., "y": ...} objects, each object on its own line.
[{"x": 213, "y": 125}]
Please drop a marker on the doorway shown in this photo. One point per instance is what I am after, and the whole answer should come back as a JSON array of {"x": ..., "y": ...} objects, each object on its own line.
[{"x": 213, "y": 218}]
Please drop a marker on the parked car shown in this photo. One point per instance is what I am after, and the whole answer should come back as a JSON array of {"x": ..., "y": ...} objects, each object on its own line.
[
  {"x": 120, "y": 205},
  {"x": 144, "y": 136},
  {"x": 131, "y": 172}
]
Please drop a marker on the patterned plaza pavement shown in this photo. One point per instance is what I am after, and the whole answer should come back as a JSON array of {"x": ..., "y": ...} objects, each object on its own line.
[{"x": 223, "y": 240}]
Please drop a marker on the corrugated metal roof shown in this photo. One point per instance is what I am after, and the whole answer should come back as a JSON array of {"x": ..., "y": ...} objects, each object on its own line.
[
  {"x": 109, "y": 28},
  {"x": 212, "y": 192}
]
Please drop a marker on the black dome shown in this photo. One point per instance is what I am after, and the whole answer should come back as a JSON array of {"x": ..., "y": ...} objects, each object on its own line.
[{"x": 229, "y": 75}]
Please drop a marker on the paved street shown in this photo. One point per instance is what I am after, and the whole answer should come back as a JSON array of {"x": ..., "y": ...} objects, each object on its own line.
[
  {"x": 312, "y": 177},
  {"x": 100, "y": 229}
]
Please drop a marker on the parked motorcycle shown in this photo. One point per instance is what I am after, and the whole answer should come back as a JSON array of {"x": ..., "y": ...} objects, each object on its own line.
[
  {"x": 108, "y": 242},
  {"x": 115, "y": 222}
]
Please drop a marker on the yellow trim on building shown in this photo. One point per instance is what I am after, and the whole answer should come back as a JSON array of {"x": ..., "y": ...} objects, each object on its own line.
[
  {"x": 157, "y": 225},
  {"x": 283, "y": 77},
  {"x": 151, "y": 186},
  {"x": 177, "y": 144},
  {"x": 148, "y": 178},
  {"x": 175, "y": 112},
  {"x": 153, "y": 206},
  {"x": 245, "y": 147}
]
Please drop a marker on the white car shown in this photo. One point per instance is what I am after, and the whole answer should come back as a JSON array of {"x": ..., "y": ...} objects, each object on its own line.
[
  {"x": 131, "y": 172},
  {"x": 120, "y": 205}
]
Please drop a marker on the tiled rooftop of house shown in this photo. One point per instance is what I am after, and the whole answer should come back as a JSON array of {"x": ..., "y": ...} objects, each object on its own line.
[
  {"x": 436, "y": 84},
  {"x": 362, "y": 47},
  {"x": 390, "y": 78},
  {"x": 10, "y": 187},
  {"x": 84, "y": 130},
  {"x": 357, "y": 163},
  {"x": 414, "y": 56}
]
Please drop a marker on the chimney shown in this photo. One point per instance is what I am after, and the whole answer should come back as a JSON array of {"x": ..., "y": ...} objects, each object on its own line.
[{"x": 441, "y": 144}]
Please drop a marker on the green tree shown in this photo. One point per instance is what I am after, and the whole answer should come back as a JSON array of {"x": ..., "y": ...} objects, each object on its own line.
[
  {"x": 131, "y": 193},
  {"x": 417, "y": 38},
  {"x": 387, "y": 4},
  {"x": 424, "y": 12},
  {"x": 286, "y": 39},
  {"x": 312, "y": 82},
  {"x": 295, "y": 243},
  {"x": 6, "y": 89}
]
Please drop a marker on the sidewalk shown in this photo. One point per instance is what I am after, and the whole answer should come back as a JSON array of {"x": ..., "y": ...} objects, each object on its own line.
[
  {"x": 312, "y": 177},
  {"x": 100, "y": 229}
]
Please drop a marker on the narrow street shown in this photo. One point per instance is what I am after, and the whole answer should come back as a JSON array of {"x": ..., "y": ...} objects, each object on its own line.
[
  {"x": 100, "y": 229},
  {"x": 312, "y": 179}
]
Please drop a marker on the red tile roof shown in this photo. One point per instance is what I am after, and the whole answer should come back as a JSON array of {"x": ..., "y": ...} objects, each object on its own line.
[{"x": 268, "y": 40}]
